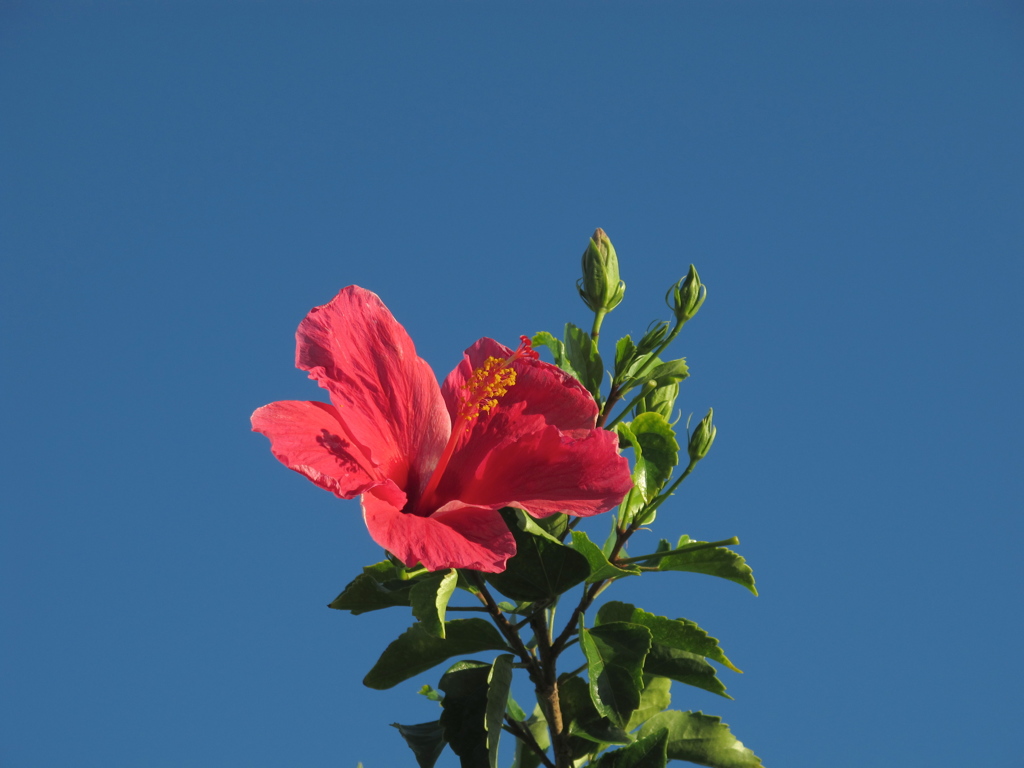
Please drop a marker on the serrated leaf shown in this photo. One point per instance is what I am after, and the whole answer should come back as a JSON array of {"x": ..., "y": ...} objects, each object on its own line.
[
  {"x": 683, "y": 667},
  {"x": 681, "y": 634},
  {"x": 426, "y": 741},
  {"x": 713, "y": 561},
  {"x": 615, "y": 655},
  {"x": 701, "y": 739},
  {"x": 416, "y": 650},
  {"x": 499, "y": 682},
  {"x": 465, "y": 705},
  {"x": 581, "y": 716},
  {"x": 377, "y": 587},
  {"x": 671, "y": 372},
  {"x": 655, "y": 697},
  {"x": 583, "y": 356},
  {"x": 660, "y": 450},
  {"x": 647, "y": 752},
  {"x": 545, "y": 339},
  {"x": 429, "y": 599},
  {"x": 600, "y": 567},
  {"x": 542, "y": 568}
]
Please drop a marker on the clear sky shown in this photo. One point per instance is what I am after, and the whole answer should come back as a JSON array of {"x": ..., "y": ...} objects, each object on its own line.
[{"x": 180, "y": 182}]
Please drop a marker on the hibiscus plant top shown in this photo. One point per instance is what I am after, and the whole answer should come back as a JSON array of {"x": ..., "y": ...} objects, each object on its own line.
[{"x": 476, "y": 486}]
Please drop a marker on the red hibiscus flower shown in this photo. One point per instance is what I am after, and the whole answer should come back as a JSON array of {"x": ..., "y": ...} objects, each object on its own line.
[{"x": 434, "y": 464}]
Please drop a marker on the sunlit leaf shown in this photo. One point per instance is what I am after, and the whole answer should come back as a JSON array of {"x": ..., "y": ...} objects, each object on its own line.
[
  {"x": 689, "y": 668},
  {"x": 714, "y": 561},
  {"x": 584, "y": 358},
  {"x": 701, "y": 739},
  {"x": 545, "y": 339},
  {"x": 660, "y": 450},
  {"x": 681, "y": 634},
  {"x": 429, "y": 598},
  {"x": 646, "y": 752},
  {"x": 655, "y": 697},
  {"x": 377, "y": 587},
  {"x": 600, "y": 567},
  {"x": 499, "y": 682}
]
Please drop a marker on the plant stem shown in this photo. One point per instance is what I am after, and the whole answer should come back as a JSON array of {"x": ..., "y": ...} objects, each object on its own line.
[
  {"x": 522, "y": 732},
  {"x": 509, "y": 632},
  {"x": 595, "y": 331}
]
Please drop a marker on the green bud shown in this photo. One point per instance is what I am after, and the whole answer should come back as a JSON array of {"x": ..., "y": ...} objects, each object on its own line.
[
  {"x": 702, "y": 438},
  {"x": 600, "y": 287},
  {"x": 662, "y": 401},
  {"x": 685, "y": 297},
  {"x": 654, "y": 336}
]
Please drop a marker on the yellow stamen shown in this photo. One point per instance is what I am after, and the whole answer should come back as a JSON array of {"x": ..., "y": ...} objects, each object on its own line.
[{"x": 488, "y": 382}]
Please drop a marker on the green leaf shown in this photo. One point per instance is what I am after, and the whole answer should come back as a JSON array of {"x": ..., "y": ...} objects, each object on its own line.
[
  {"x": 701, "y": 739},
  {"x": 430, "y": 597},
  {"x": 681, "y": 634},
  {"x": 584, "y": 358},
  {"x": 600, "y": 567},
  {"x": 430, "y": 693},
  {"x": 378, "y": 586},
  {"x": 671, "y": 372},
  {"x": 499, "y": 682},
  {"x": 714, "y": 561},
  {"x": 542, "y": 568},
  {"x": 655, "y": 697},
  {"x": 684, "y": 667},
  {"x": 426, "y": 741},
  {"x": 615, "y": 655},
  {"x": 416, "y": 650},
  {"x": 465, "y": 702},
  {"x": 538, "y": 728},
  {"x": 625, "y": 351},
  {"x": 646, "y": 752},
  {"x": 582, "y": 717},
  {"x": 545, "y": 339},
  {"x": 660, "y": 450}
]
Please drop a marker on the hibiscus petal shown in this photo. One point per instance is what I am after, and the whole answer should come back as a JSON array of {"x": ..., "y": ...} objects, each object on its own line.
[
  {"x": 458, "y": 536},
  {"x": 547, "y": 472},
  {"x": 543, "y": 393},
  {"x": 307, "y": 437},
  {"x": 387, "y": 396}
]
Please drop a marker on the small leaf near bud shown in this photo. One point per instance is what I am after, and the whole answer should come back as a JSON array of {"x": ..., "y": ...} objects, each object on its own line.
[
  {"x": 671, "y": 372},
  {"x": 702, "y": 438},
  {"x": 600, "y": 287},
  {"x": 685, "y": 297}
]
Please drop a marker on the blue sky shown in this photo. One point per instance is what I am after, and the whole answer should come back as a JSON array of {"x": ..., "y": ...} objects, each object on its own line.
[{"x": 182, "y": 181}]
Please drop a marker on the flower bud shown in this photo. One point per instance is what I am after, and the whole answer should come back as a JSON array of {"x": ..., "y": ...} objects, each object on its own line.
[
  {"x": 600, "y": 287},
  {"x": 702, "y": 438},
  {"x": 654, "y": 336},
  {"x": 685, "y": 297}
]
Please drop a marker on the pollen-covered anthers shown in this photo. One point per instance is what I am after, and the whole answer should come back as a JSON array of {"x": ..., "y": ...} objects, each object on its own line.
[
  {"x": 492, "y": 380},
  {"x": 488, "y": 382}
]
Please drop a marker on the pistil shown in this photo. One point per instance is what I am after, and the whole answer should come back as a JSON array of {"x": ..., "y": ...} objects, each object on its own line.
[{"x": 480, "y": 394}]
